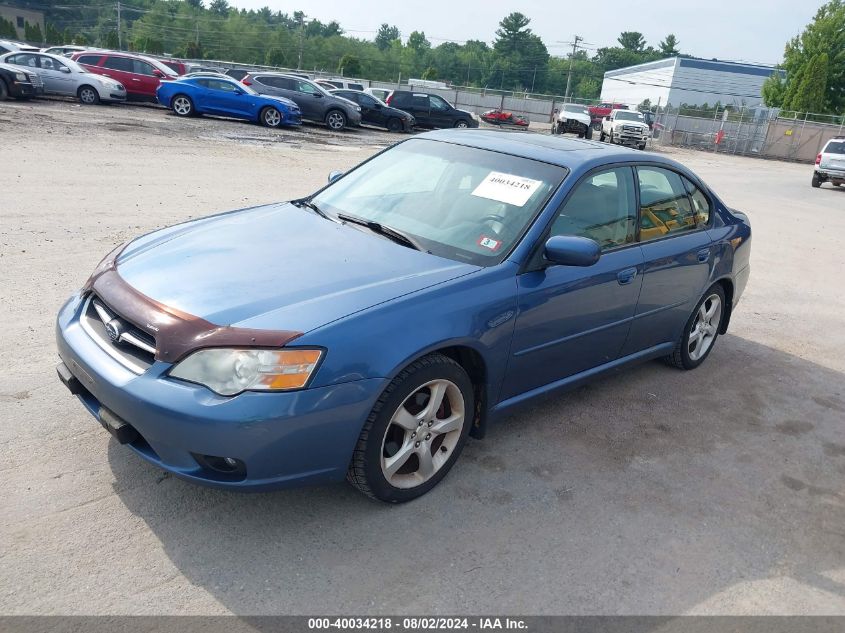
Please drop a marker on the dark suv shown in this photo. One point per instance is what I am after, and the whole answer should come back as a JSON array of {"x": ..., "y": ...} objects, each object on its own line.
[
  {"x": 430, "y": 110},
  {"x": 314, "y": 102}
]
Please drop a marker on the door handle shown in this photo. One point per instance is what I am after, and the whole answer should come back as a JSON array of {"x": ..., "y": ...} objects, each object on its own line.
[
  {"x": 703, "y": 255},
  {"x": 626, "y": 276}
]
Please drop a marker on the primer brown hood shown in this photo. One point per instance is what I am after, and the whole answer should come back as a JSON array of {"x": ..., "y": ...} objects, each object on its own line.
[{"x": 176, "y": 333}]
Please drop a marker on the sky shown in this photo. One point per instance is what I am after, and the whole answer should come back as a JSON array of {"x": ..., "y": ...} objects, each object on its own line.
[{"x": 737, "y": 30}]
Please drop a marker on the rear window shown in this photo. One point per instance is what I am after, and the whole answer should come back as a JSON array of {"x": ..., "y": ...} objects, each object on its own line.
[
  {"x": 835, "y": 147},
  {"x": 119, "y": 63},
  {"x": 400, "y": 98},
  {"x": 356, "y": 86},
  {"x": 91, "y": 60}
]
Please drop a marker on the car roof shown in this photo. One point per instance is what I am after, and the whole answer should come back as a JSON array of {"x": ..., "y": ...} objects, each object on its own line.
[{"x": 556, "y": 150}]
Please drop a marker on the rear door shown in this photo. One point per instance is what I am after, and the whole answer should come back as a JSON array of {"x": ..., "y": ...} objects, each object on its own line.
[
  {"x": 678, "y": 253},
  {"x": 120, "y": 69},
  {"x": 281, "y": 87},
  {"x": 420, "y": 107}
]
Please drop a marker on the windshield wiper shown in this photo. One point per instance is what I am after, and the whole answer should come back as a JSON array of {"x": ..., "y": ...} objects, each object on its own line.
[
  {"x": 306, "y": 202},
  {"x": 386, "y": 231}
]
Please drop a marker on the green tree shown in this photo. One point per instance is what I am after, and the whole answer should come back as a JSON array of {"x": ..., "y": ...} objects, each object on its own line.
[
  {"x": 349, "y": 66},
  {"x": 275, "y": 57},
  {"x": 112, "y": 41},
  {"x": 192, "y": 50},
  {"x": 669, "y": 46},
  {"x": 512, "y": 33},
  {"x": 811, "y": 94},
  {"x": 32, "y": 32},
  {"x": 632, "y": 41},
  {"x": 197, "y": 4},
  {"x": 418, "y": 43},
  {"x": 220, "y": 7},
  {"x": 7, "y": 28},
  {"x": 804, "y": 63},
  {"x": 774, "y": 90},
  {"x": 520, "y": 59},
  {"x": 430, "y": 73},
  {"x": 386, "y": 36}
]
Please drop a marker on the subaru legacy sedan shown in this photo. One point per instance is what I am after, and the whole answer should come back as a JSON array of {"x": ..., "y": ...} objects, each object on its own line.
[{"x": 365, "y": 331}]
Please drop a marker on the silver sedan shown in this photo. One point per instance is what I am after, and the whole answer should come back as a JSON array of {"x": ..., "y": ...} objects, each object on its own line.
[{"x": 63, "y": 76}]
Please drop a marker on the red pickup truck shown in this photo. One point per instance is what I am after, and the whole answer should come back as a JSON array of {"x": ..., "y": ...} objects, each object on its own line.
[{"x": 598, "y": 112}]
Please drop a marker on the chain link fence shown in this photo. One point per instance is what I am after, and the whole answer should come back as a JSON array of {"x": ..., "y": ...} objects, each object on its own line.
[{"x": 762, "y": 132}]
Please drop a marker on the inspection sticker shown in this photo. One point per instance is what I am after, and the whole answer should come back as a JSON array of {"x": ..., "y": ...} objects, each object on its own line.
[
  {"x": 489, "y": 242},
  {"x": 507, "y": 188}
]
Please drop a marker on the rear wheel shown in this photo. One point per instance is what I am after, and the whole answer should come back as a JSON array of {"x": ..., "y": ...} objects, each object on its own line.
[
  {"x": 335, "y": 120},
  {"x": 816, "y": 181},
  {"x": 271, "y": 117},
  {"x": 4, "y": 91},
  {"x": 394, "y": 125},
  {"x": 182, "y": 105},
  {"x": 88, "y": 95},
  {"x": 701, "y": 331},
  {"x": 415, "y": 431},
  {"x": 589, "y": 133}
]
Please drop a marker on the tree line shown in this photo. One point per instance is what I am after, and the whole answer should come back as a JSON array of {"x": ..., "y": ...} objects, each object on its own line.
[{"x": 517, "y": 59}]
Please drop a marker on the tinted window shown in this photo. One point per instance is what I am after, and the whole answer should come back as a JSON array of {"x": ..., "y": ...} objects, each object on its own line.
[
  {"x": 835, "y": 147},
  {"x": 602, "y": 207},
  {"x": 142, "y": 68},
  {"x": 365, "y": 100},
  {"x": 91, "y": 60},
  {"x": 333, "y": 84},
  {"x": 420, "y": 102},
  {"x": 664, "y": 205},
  {"x": 356, "y": 86},
  {"x": 123, "y": 64},
  {"x": 700, "y": 204},
  {"x": 225, "y": 86},
  {"x": 400, "y": 98},
  {"x": 439, "y": 104},
  {"x": 348, "y": 94},
  {"x": 276, "y": 82},
  {"x": 307, "y": 88}
]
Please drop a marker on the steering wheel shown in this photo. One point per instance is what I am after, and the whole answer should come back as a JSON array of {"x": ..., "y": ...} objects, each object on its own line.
[{"x": 493, "y": 217}]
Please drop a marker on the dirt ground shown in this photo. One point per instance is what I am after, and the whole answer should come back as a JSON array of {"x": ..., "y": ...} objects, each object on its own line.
[{"x": 651, "y": 492}]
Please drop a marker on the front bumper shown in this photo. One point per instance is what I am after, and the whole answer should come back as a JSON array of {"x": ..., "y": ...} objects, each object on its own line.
[
  {"x": 630, "y": 137},
  {"x": 19, "y": 89},
  {"x": 283, "y": 439}
]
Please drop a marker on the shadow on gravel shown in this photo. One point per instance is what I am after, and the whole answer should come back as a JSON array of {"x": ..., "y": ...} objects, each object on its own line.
[{"x": 651, "y": 491}]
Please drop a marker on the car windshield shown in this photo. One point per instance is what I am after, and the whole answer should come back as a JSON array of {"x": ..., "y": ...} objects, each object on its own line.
[
  {"x": 625, "y": 115},
  {"x": 835, "y": 147},
  {"x": 575, "y": 108},
  {"x": 463, "y": 203}
]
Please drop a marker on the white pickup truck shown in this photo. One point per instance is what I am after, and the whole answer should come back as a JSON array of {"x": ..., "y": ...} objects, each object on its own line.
[{"x": 625, "y": 127}]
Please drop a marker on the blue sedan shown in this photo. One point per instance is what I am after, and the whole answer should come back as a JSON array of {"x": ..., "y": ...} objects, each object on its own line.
[
  {"x": 367, "y": 330},
  {"x": 221, "y": 96}
]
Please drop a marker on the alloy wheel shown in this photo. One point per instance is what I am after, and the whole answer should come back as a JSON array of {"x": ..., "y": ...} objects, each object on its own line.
[
  {"x": 182, "y": 106},
  {"x": 335, "y": 120},
  {"x": 272, "y": 117},
  {"x": 461, "y": 124},
  {"x": 422, "y": 434},
  {"x": 705, "y": 327},
  {"x": 87, "y": 96}
]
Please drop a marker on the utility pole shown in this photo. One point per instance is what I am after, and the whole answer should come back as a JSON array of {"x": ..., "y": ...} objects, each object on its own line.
[
  {"x": 119, "y": 36},
  {"x": 578, "y": 39},
  {"x": 301, "y": 38}
]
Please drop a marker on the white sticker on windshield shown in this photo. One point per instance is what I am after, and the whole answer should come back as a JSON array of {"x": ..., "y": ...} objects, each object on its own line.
[{"x": 507, "y": 188}]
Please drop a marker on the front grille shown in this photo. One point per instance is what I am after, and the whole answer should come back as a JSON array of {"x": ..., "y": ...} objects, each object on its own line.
[
  {"x": 35, "y": 80},
  {"x": 127, "y": 344}
]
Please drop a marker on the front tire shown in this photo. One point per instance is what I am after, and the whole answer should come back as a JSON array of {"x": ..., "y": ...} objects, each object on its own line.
[
  {"x": 641, "y": 147},
  {"x": 88, "y": 95},
  {"x": 394, "y": 125},
  {"x": 271, "y": 117},
  {"x": 182, "y": 106},
  {"x": 461, "y": 123},
  {"x": 589, "y": 133},
  {"x": 701, "y": 331},
  {"x": 415, "y": 432},
  {"x": 4, "y": 91},
  {"x": 602, "y": 136},
  {"x": 335, "y": 120},
  {"x": 816, "y": 181}
]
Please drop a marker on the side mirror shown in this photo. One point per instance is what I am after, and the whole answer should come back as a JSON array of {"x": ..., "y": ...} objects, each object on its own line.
[
  {"x": 65, "y": 70},
  {"x": 607, "y": 118},
  {"x": 572, "y": 250},
  {"x": 158, "y": 74},
  {"x": 334, "y": 175},
  {"x": 238, "y": 91},
  {"x": 318, "y": 95}
]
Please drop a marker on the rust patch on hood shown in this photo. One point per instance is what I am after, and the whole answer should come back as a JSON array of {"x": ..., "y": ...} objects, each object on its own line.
[{"x": 176, "y": 333}]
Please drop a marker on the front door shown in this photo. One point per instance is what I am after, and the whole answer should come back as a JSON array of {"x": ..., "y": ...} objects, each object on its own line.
[
  {"x": 224, "y": 97},
  {"x": 442, "y": 114},
  {"x": 57, "y": 77},
  {"x": 572, "y": 318},
  {"x": 678, "y": 256}
]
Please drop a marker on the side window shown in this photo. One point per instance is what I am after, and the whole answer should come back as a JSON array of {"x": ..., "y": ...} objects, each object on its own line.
[
  {"x": 91, "y": 60},
  {"x": 602, "y": 207},
  {"x": 123, "y": 64},
  {"x": 25, "y": 60},
  {"x": 438, "y": 104},
  {"x": 366, "y": 100},
  {"x": 356, "y": 86},
  {"x": 224, "y": 86},
  {"x": 205, "y": 83},
  {"x": 307, "y": 88},
  {"x": 420, "y": 102},
  {"x": 664, "y": 205},
  {"x": 49, "y": 63},
  {"x": 141, "y": 68},
  {"x": 700, "y": 204}
]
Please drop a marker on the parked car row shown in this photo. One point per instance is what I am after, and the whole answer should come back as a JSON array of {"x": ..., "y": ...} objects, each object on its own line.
[{"x": 269, "y": 98}]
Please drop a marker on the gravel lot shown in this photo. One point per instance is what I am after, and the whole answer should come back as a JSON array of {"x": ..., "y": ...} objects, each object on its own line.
[{"x": 650, "y": 492}]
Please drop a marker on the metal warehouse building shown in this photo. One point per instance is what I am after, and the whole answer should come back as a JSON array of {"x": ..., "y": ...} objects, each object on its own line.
[{"x": 680, "y": 80}]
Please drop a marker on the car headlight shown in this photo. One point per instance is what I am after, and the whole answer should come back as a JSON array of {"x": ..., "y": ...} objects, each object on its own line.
[
  {"x": 357, "y": 108},
  {"x": 21, "y": 77},
  {"x": 229, "y": 371}
]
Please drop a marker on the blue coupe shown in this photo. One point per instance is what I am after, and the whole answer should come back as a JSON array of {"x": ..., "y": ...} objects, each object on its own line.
[
  {"x": 221, "y": 96},
  {"x": 366, "y": 330}
]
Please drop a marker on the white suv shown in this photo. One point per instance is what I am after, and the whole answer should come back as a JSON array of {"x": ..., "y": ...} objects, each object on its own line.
[{"x": 830, "y": 163}]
